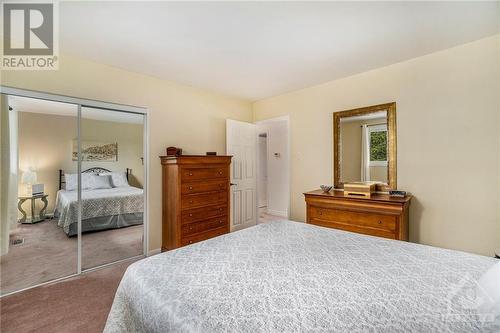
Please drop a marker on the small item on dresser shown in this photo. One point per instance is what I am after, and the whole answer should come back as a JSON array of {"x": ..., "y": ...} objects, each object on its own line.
[
  {"x": 326, "y": 188},
  {"x": 359, "y": 189},
  {"x": 397, "y": 193},
  {"x": 174, "y": 151},
  {"x": 211, "y": 153}
]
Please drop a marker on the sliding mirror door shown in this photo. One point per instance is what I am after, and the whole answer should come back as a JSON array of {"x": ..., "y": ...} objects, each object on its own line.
[
  {"x": 113, "y": 175},
  {"x": 36, "y": 211}
]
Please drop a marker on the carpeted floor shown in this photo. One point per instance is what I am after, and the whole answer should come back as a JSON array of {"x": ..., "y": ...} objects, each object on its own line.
[
  {"x": 79, "y": 304},
  {"x": 47, "y": 253}
]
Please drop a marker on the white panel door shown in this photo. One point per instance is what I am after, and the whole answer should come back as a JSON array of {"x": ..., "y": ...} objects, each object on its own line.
[{"x": 241, "y": 141}]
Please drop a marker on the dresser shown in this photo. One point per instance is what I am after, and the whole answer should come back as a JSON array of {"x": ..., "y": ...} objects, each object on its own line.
[
  {"x": 195, "y": 199},
  {"x": 381, "y": 215}
]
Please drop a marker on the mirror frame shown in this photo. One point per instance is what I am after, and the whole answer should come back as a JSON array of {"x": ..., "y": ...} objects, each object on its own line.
[{"x": 391, "y": 143}]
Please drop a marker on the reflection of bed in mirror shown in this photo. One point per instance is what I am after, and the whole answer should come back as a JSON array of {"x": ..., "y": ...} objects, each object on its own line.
[{"x": 108, "y": 201}]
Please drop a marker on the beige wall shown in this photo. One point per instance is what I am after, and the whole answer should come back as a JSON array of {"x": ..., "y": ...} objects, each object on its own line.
[
  {"x": 45, "y": 144},
  {"x": 448, "y": 139},
  {"x": 448, "y": 131},
  {"x": 179, "y": 115},
  {"x": 351, "y": 151}
]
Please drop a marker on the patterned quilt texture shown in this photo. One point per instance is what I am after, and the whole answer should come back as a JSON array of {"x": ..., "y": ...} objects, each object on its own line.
[{"x": 287, "y": 276}]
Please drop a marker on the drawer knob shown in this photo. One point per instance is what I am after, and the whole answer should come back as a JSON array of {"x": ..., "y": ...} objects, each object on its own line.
[
  {"x": 190, "y": 242},
  {"x": 220, "y": 209},
  {"x": 220, "y": 221},
  {"x": 220, "y": 172},
  {"x": 191, "y": 201},
  {"x": 190, "y": 214},
  {"x": 190, "y": 228},
  {"x": 190, "y": 173},
  {"x": 320, "y": 212},
  {"x": 220, "y": 185},
  {"x": 190, "y": 187},
  {"x": 379, "y": 222}
]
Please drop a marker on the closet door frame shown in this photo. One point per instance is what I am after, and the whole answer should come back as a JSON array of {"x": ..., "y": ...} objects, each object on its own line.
[{"x": 113, "y": 107}]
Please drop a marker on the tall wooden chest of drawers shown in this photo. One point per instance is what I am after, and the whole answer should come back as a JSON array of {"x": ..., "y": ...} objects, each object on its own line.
[
  {"x": 380, "y": 215},
  {"x": 195, "y": 199}
]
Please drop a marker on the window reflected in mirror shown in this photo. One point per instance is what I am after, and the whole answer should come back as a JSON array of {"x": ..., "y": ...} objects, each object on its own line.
[{"x": 365, "y": 146}]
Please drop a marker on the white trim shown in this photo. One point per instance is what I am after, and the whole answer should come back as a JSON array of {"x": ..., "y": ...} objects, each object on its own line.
[
  {"x": 153, "y": 252},
  {"x": 270, "y": 120},
  {"x": 72, "y": 100},
  {"x": 376, "y": 128},
  {"x": 377, "y": 163},
  {"x": 277, "y": 213},
  {"x": 257, "y": 153}
]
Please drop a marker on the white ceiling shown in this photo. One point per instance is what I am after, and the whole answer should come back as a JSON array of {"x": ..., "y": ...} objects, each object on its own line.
[
  {"x": 255, "y": 50},
  {"x": 34, "y": 105},
  {"x": 371, "y": 116}
]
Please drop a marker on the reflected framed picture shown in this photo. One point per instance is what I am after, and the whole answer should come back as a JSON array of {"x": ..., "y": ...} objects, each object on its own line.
[{"x": 96, "y": 151}]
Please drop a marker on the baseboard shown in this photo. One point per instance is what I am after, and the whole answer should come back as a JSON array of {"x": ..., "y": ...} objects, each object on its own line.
[
  {"x": 277, "y": 213},
  {"x": 154, "y": 252}
]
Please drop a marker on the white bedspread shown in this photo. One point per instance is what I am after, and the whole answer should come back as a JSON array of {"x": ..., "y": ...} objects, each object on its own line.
[
  {"x": 294, "y": 277},
  {"x": 97, "y": 203}
]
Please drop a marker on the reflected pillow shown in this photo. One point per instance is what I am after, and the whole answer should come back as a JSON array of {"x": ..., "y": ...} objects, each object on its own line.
[
  {"x": 118, "y": 179},
  {"x": 72, "y": 181},
  {"x": 101, "y": 182}
]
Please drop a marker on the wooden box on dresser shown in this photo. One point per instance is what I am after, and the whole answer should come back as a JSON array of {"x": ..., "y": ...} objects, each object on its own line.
[
  {"x": 195, "y": 199},
  {"x": 381, "y": 215}
]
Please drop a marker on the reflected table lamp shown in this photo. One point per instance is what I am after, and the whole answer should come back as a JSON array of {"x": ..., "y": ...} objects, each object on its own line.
[{"x": 29, "y": 178}]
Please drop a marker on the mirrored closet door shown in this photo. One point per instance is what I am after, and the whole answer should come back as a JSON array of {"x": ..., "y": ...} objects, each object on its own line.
[
  {"x": 112, "y": 154},
  {"x": 73, "y": 187},
  {"x": 36, "y": 144}
]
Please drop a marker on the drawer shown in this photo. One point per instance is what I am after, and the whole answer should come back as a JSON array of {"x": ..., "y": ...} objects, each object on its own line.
[
  {"x": 368, "y": 220},
  {"x": 204, "y": 236},
  {"x": 198, "y": 187},
  {"x": 189, "y": 174},
  {"x": 354, "y": 228},
  {"x": 205, "y": 199},
  {"x": 202, "y": 226},
  {"x": 199, "y": 214}
]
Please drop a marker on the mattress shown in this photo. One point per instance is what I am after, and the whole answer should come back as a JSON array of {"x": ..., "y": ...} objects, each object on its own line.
[
  {"x": 101, "y": 209},
  {"x": 293, "y": 277}
]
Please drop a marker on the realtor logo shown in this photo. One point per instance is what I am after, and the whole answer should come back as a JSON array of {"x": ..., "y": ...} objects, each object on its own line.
[{"x": 29, "y": 36}]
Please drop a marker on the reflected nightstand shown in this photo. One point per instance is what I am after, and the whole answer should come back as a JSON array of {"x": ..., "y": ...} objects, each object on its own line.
[{"x": 34, "y": 218}]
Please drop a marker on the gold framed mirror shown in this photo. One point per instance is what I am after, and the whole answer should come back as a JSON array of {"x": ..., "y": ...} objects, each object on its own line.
[{"x": 364, "y": 146}]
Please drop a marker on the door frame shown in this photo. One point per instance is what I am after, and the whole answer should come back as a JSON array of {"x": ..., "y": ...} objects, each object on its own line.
[
  {"x": 257, "y": 152},
  {"x": 79, "y": 103},
  {"x": 285, "y": 118}
]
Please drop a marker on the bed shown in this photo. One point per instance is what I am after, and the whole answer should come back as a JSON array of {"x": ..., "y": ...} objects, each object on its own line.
[
  {"x": 102, "y": 208},
  {"x": 293, "y": 277}
]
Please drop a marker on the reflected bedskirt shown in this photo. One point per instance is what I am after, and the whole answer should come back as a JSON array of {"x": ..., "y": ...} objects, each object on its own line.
[{"x": 105, "y": 222}]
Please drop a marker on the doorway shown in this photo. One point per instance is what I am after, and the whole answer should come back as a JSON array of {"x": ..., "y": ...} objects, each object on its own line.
[
  {"x": 74, "y": 195},
  {"x": 273, "y": 172}
]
